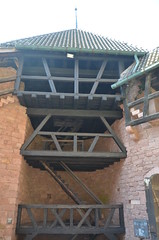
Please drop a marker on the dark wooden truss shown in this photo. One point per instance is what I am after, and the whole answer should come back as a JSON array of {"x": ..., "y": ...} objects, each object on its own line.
[
  {"x": 70, "y": 219},
  {"x": 69, "y": 146},
  {"x": 145, "y": 108},
  {"x": 59, "y": 82}
]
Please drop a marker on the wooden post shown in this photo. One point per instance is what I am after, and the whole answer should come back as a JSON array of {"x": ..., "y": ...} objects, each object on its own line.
[
  {"x": 146, "y": 93},
  {"x": 76, "y": 76}
]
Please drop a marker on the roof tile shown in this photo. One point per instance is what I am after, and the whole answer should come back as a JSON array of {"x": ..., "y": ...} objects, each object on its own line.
[{"x": 74, "y": 40}]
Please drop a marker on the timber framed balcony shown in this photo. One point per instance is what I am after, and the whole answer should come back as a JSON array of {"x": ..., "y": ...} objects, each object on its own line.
[
  {"x": 57, "y": 81},
  {"x": 33, "y": 220},
  {"x": 82, "y": 141},
  {"x": 144, "y": 106}
]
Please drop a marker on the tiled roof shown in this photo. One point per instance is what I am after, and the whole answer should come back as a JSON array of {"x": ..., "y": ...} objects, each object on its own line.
[
  {"x": 75, "y": 41},
  {"x": 145, "y": 64}
]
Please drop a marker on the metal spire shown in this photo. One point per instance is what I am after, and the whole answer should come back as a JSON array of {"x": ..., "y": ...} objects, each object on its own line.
[{"x": 76, "y": 17}]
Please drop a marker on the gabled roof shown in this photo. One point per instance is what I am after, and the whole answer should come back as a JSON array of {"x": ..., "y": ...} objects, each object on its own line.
[
  {"x": 75, "y": 40},
  {"x": 145, "y": 64}
]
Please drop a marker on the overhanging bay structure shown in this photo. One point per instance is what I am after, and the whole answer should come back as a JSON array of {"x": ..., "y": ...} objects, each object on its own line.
[{"x": 64, "y": 81}]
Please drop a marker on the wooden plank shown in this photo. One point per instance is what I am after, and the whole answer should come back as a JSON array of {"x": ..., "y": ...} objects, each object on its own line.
[
  {"x": 84, "y": 217},
  {"x": 74, "y": 230},
  {"x": 79, "y": 181},
  {"x": 75, "y": 143},
  {"x": 74, "y": 206},
  {"x": 45, "y": 217},
  {"x": 8, "y": 91},
  {"x": 95, "y": 140},
  {"x": 106, "y": 135},
  {"x": 76, "y": 75},
  {"x": 81, "y": 95},
  {"x": 30, "y": 139},
  {"x": 65, "y": 154},
  {"x": 19, "y": 73},
  {"x": 58, "y": 218},
  {"x": 141, "y": 100},
  {"x": 125, "y": 103},
  {"x": 64, "y": 187},
  {"x": 56, "y": 142},
  {"x": 71, "y": 217},
  {"x": 146, "y": 93},
  {"x": 7, "y": 79},
  {"x": 144, "y": 119},
  {"x": 109, "y": 219},
  {"x": 47, "y": 70},
  {"x": 116, "y": 139},
  {"x": 61, "y": 213},
  {"x": 68, "y": 79},
  {"x": 78, "y": 113},
  {"x": 99, "y": 75},
  {"x": 31, "y": 217},
  {"x": 19, "y": 215},
  {"x": 97, "y": 217},
  {"x": 121, "y": 217}
]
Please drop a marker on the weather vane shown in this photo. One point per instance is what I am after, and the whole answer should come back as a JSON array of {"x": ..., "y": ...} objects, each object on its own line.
[{"x": 76, "y": 17}]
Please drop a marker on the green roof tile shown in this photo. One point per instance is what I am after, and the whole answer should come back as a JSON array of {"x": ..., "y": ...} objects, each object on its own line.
[{"x": 74, "y": 40}]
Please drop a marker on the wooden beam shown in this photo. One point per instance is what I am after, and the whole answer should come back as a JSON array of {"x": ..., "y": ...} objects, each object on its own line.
[
  {"x": 146, "y": 93},
  {"x": 56, "y": 142},
  {"x": 141, "y": 100},
  {"x": 76, "y": 75},
  {"x": 68, "y": 79},
  {"x": 47, "y": 70},
  {"x": 121, "y": 67},
  {"x": 66, "y": 154},
  {"x": 99, "y": 75},
  {"x": 79, "y": 181},
  {"x": 75, "y": 143},
  {"x": 19, "y": 73},
  {"x": 144, "y": 119},
  {"x": 74, "y": 134},
  {"x": 81, "y": 95},
  {"x": 8, "y": 79},
  {"x": 78, "y": 113},
  {"x": 95, "y": 140},
  {"x": 125, "y": 103},
  {"x": 116, "y": 139},
  {"x": 31, "y": 138},
  {"x": 8, "y": 91}
]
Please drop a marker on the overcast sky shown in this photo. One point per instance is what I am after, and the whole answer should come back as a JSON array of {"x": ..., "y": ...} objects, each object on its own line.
[{"x": 131, "y": 21}]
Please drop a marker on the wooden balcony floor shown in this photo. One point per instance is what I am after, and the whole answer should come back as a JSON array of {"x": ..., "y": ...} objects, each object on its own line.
[{"x": 75, "y": 162}]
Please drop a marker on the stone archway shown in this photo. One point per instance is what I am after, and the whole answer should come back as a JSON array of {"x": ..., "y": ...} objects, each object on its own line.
[{"x": 152, "y": 201}]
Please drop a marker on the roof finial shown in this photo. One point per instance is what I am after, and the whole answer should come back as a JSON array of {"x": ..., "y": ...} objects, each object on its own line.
[{"x": 76, "y": 17}]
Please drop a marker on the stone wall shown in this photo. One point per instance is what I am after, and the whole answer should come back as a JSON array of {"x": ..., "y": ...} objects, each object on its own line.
[
  {"x": 12, "y": 133},
  {"x": 127, "y": 176}
]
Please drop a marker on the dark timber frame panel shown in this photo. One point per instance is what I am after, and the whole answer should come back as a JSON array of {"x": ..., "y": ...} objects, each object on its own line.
[
  {"x": 144, "y": 101},
  {"x": 91, "y": 100},
  {"x": 88, "y": 223},
  {"x": 75, "y": 153}
]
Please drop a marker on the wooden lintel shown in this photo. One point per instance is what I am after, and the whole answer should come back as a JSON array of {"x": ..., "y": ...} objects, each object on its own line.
[
  {"x": 8, "y": 79},
  {"x": 77, "y": 113},
  {"x": 47, "y": 153},
  {"x": 8, "y": 91},
  {"x": 143, "y": 120}
]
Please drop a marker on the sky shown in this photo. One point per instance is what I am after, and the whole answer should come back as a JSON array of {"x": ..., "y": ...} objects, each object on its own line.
[{"x": 131, "y": 21}]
